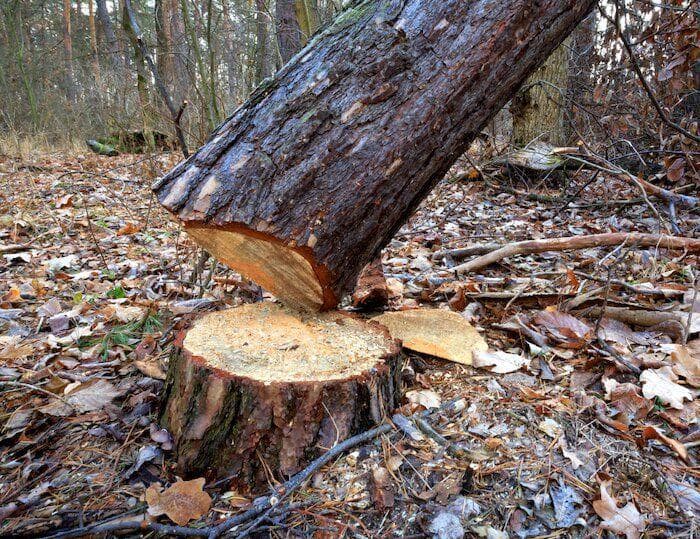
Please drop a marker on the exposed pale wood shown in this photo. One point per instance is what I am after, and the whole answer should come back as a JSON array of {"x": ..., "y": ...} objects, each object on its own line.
[
  {"x": 267, "y": 262},
  {"x": 253, "y": 393},
  {"x": 579, "y": 242}
]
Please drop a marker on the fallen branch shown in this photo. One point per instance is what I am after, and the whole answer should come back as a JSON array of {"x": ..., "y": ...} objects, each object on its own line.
[
  {"x": 633, "y": 289},
  {"x": 295, "y": 482},
  {"x": 261, "y": 509},
  {"x": 598, "y": 163},
  {"x": 579, "y": 242},
  {"x": 464, "y": 252},
  {"x": 639, "y": 317}
]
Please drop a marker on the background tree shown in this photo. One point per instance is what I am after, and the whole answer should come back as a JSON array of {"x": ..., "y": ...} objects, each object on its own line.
[
  {"x": 214, "y": 53},
  {"x": 539, "y": 110}
]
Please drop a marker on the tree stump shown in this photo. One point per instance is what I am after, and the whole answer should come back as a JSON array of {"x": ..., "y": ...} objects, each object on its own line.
[{"x": 255, "y": 392}]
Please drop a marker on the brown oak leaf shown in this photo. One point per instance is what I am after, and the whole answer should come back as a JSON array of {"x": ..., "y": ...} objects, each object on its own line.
[
  {"x": 181, "y": 502},
  {"x": 625, "y": 520}
]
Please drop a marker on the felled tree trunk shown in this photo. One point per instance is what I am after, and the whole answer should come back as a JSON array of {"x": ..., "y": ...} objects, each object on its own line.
[
  {"x": 253, "y": 393},
  {"x": 310, "y": 178}
]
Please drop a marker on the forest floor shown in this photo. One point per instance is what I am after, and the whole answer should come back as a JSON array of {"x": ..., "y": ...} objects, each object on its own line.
[{"x": 95, "y": 280}]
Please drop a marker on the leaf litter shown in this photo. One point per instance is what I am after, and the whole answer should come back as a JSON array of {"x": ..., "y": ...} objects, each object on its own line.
[{"x": 515, "y": 444}]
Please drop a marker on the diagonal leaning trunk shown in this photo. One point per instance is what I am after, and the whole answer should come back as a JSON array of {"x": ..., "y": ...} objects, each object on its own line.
[{"x": 308, "y": 180}]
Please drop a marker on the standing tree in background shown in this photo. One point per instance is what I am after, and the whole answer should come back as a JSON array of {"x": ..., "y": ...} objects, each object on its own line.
[
  {"x": 142, "y": 77},
  {"x": 539, "y": 109},
  {"x": 295, "y": 22},
  {"x": 93, "y": 45},
  {"x": 69, "y": 79},
  {"x": 110, "y": 36},
  {"x": 261, "y": 50},
  {"x": 289, "y": 37}
]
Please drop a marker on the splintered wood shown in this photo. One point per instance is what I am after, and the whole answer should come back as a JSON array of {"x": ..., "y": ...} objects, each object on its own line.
[{"x": 269, "y": 263}]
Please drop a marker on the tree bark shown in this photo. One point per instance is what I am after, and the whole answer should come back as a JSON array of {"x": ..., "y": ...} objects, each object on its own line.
[
  {"x": 93, "y": 46},
  {"x": 232, "y": 53},
  {"x": 262, "y": 62},
  {"x": 287, "y": 29},
  {"x": 110, "y": 35},
  {"x": 310, "y": 178},
  {"x": 539, "y": 108},
  {"x": 141, "y": 71},
  {"x": 164, "y": 42},
  {"x": 68, "y": 52},
  {"x": 297, "y": 387}
]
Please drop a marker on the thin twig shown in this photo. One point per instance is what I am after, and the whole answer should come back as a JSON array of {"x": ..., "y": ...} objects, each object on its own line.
[
  {"x": 638, "y": 70},
  {"x": 688, "y": 323}
]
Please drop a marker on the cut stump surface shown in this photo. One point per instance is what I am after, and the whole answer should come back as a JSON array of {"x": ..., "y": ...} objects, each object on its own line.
[{"x": 255, "y": 392}]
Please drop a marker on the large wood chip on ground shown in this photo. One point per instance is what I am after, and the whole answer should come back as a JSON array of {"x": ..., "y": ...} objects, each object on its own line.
[{"x": 437, "y": 332}]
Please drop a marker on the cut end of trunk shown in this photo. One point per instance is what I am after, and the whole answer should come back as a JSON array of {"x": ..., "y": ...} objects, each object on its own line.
[
  {"x": 286, "y": 272},
  {"x": 269, "y": 343}
]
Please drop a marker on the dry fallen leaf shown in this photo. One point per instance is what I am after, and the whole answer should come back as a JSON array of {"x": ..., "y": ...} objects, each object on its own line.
[
  {"x": 425, "y": 397},
  {"x": 551, "y": 428},
  {"x": 686, "y": 361},
  {"x": 150, "y": 368},
  {"x": 652, "y": 433},
  {"x": 182, "y": 502},
  {"x": 625, "y": 398},
  {"x": 92, "y": 395},
  {"x": 568, "y": 330},
  {"x": 661, "y": 383},
  {"x": 499, "y": 362},
  {"x": 441, "y": 333},
  {"x": 128, "y": 229},
  {"x": 382, "y": 491},
  {"x": 125, "y": 314},
  {"x": 622, "y": 521}
]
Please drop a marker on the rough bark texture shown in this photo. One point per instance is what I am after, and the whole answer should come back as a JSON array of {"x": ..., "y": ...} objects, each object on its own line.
[
  {"x": 254, "y": 431},
  {"x": 371, "y": 291},
  {"x": 288, "y": 31},
  {"x": 332, "y": 156},
  {"x": 539, "y": 109}
]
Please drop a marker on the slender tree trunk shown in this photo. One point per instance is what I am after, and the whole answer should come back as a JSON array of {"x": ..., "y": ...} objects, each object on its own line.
[
  {"x": 539, "y": 110},
  {"x": 141, "y": 71},
  {"x": 307, "y": 15},
  {"x": 13, "y": 22},
  {"x": 203, "y": 86},
  {"x": 111, "y": 41},
  {"x": 68, "y": 53},
  {"x": 93, "y": 45},
  {"x": 287, "y": 29},
  {"x": 261, "y": 37},
  {"x": 211, "y": 49},
  {"x": 232, "y": 50},
  {"x": 164, "y": 46}
]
